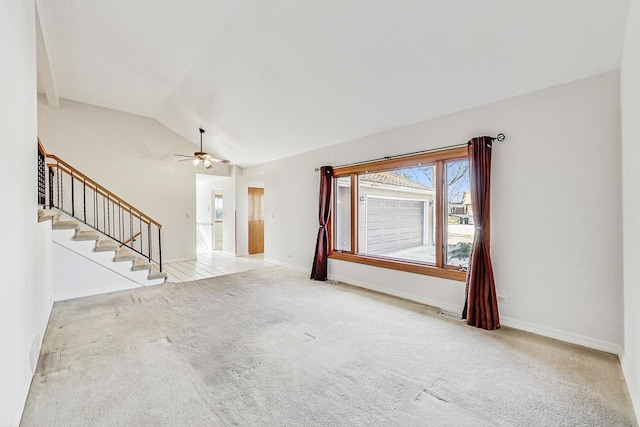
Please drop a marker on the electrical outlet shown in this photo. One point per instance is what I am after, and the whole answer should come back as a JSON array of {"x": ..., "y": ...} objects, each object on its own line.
[{"x": 503, "y": 299}]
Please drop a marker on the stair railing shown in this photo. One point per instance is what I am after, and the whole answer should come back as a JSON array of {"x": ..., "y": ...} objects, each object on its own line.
[{"x": 80, "y": 197}]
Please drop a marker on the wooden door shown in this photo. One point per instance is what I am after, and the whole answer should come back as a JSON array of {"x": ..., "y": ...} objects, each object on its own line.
[{"x": 256, "y": 220}]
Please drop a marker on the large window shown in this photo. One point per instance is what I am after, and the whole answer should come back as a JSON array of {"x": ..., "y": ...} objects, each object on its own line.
[{"x": 412, "y": 213}]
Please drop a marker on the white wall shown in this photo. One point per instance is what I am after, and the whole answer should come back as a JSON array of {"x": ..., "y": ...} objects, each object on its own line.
[
  {"x": 75, "y": 275},
  {"x": 556, "y": 232},
  {"x": 229, "y": 221},
  {"x": 630, "y": 94},
  {"x": 204, "y": 206},
  {"x": 25, "y": 253},
  {"x": 133, "y": 157}
]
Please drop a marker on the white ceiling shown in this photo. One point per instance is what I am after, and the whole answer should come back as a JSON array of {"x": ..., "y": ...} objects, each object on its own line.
[{"x": 270, "y": 79}]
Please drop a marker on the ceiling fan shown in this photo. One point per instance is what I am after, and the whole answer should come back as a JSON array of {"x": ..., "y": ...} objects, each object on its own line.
[{"x": 201, "y": 157}]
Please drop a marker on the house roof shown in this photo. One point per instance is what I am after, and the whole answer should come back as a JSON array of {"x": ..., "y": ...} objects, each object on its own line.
[
  {"x": 394, "y": 179},
  {"x": 270, "y": 79}
]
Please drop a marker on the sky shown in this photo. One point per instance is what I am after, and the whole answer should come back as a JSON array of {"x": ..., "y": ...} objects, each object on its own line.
[{"x": 456, "y": 170}]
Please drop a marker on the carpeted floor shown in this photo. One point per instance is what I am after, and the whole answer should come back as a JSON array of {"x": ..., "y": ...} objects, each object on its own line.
[{"x": 271, "y": 348}]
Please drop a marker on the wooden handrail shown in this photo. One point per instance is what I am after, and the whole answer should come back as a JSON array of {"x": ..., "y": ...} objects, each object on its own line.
[
  {"x": 58, "y": 168},
  {"x": 41, "y": 148},
  {"x": 131, "y": 238},
  {"x": 103, "y": 192},
  {"x": 97, "y": 187}
]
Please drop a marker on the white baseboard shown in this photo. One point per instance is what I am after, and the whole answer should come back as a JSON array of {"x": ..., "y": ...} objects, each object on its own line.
[
  {"x": 95, "y": 291},
  {"x": 22, "y": 402},
  {"x": 166, "y": 261},
  {"x": 24, "y": 393},
  {"x": 506, "y": 321},
  {"x": 569, "y": 337},
  {"x": 405, "y": 295},
  {"x": 289, "y": 266},
  {"x": 271, "y": 261},
  {"x": 634, "y": 392}
]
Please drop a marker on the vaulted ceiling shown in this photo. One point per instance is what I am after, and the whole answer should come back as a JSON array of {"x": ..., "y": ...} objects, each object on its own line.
[{"x": 272, "y": 78}]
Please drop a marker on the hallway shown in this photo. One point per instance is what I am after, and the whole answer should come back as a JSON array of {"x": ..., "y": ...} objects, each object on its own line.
[{"x": 212, "y": 264}]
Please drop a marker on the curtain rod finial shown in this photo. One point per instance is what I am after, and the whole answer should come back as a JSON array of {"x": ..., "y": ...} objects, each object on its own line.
[{"x": 500, "y": 137}]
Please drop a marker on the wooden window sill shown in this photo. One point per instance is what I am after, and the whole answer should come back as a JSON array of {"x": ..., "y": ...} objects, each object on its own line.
[{"x": 417, "y": 268}]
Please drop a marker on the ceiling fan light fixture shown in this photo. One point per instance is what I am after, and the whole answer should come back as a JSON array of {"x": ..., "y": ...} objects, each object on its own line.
[{"x": 201, "y": 156}]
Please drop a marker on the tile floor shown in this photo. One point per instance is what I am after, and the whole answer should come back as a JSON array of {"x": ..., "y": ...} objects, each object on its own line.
[{"x": 211, "y": 264}]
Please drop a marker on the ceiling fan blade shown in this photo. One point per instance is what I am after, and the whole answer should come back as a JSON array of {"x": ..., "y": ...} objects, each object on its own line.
[
  {"x": 214, "y": 159},
  {"x": 201, "y": 157}
]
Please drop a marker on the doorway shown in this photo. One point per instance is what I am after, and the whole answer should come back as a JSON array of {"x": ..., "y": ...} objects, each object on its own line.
[
  {"x": 210, "y": 212},
  {"x": 256, "y": 220}
]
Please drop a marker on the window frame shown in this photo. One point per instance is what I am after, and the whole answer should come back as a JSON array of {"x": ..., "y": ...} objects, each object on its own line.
[
  {"x": 216, "y": 217},
  {"x": 438, "y": 158}
]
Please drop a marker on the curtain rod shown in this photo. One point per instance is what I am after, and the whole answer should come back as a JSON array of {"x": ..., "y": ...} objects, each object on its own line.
[{"x": 499, "y": 137}]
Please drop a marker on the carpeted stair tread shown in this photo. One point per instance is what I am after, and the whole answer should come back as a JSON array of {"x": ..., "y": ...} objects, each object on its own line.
[
  {"x": 82, "y": 235},
  {"x": 106, "y": 246},
  {"x": 140, "y": 263},
  {"x": 102, "y": 243},
  {"x": 155, "y": 273},
  {"x": 48, "y": 214},
  {"x": 65, "y": 225},
  {"x": 124, "y": 254}
]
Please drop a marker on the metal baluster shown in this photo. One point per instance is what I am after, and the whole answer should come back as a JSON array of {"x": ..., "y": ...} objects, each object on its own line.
[
  {"x": 120, "y": 229},
  {"x": 50, "y": 188},
  {"x": 84, "y": 199},
  {"x": 160, "y": 248},
  {"x": 56, "y": 200},
  {"x": 42, "y": 177},
  {"x": 73, "y": 202},
  {"x": 58, "y": 180},
  {"x": 109, "y": 216}
]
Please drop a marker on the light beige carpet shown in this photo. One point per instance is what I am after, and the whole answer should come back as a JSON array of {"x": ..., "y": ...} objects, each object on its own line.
[{"x": 271, "y": 348}]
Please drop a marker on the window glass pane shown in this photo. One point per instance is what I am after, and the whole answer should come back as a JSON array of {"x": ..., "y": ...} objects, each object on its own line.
[
  {"x": 218, "y": 208},
  {"x": 396, "y": 214},
  {"x": 459, "y": 220},
  {"x": 342, "y": 217}
]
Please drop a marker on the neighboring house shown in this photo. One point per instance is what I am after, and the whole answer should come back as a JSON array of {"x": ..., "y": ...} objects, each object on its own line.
[{"x": 463, "y": 210}]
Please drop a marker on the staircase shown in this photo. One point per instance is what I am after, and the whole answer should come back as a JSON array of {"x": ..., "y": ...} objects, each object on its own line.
[
  {"x": 95, "y": 223},
  {"x": 101, "y": 249}
]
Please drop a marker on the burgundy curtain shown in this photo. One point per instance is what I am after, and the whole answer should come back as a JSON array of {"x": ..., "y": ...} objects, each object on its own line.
[
  {"x": 481, "y": 305},
  {"x": 319, "y": 270}
]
